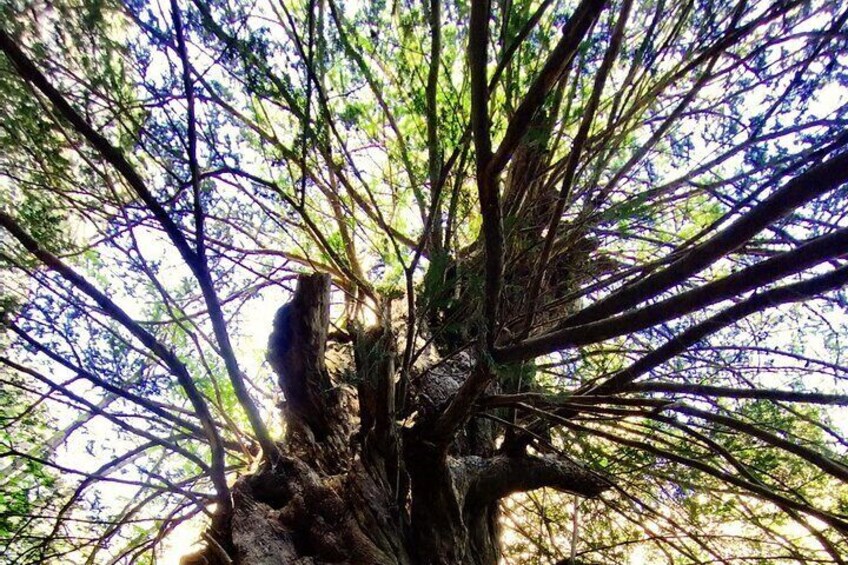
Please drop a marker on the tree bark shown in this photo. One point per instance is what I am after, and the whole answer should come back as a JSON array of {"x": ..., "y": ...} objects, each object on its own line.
[{"x": 351, "y": 483}]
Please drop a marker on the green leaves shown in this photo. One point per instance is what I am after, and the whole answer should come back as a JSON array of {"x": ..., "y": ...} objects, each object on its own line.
[{"x": 43, "y": 221}]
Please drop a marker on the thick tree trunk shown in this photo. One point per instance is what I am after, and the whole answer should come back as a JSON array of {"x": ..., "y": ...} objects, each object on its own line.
[{"x": 359, "y": 480}]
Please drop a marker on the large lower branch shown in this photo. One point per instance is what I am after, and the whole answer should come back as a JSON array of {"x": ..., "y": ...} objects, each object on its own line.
[
  {"x": 796, "y": 292},
  {"x": 497, "y": 477},
  {"x": 806, "y": 256}
]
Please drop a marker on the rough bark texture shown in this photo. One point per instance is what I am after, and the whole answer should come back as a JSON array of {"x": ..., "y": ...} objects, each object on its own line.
[{"x": 359, "y": 478}]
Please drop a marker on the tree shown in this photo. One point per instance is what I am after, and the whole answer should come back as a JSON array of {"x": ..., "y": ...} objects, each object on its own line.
[{"x": 595, "y": 248}]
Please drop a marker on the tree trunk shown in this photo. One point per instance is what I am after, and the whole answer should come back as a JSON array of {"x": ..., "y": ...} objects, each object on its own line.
[{"x": 363, "y": 478}]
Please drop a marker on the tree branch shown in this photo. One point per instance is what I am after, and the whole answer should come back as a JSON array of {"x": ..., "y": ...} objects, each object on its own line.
[
  {"x": 755, "y": 489},
  {"x": 192, "y": 129},
  {"x": 807, "y": 255},
  {"x": 775, "y": 297},
  {"x": 727, "y": 392},
  {"x": 575, "y": 30},
  {"x": 166, "y": 355},
  {"x": 487, "y": 185},
  {"x": 433, "y": 149},
  {"x": 497, "y": 477},
  {"x": 571, "y": 165},
  {"x": 802, "y": 189},
  {"x": 30, "y": 73}
]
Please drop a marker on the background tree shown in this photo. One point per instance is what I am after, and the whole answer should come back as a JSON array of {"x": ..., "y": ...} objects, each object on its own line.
[{"x": 593, "y": 248}]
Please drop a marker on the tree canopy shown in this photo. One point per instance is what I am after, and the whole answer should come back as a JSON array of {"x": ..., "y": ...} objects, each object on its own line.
[{"x": 627, "y": 223}]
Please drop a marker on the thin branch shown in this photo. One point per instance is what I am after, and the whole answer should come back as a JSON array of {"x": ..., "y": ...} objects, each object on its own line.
[
  {"x": 728, "y": 392},
  {"x": 166, "y": 355},
  {"x": 30, "y": 73}
]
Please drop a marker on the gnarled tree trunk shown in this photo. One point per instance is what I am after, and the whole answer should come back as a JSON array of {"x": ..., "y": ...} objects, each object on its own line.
[{"x": 367, "y": 474}]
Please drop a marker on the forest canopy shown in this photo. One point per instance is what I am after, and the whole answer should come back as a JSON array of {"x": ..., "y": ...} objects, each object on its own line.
[{"x": 521, "y": 281}]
